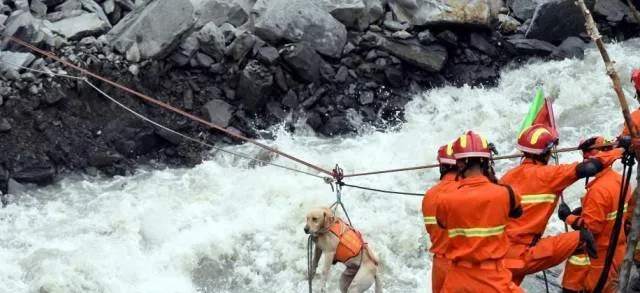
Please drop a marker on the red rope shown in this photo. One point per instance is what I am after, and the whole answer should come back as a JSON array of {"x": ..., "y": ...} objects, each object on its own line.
[{"x": 164, "y": 105}]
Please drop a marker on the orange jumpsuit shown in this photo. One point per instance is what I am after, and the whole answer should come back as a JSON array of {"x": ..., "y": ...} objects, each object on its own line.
[
  {"x": 475, "y": 216},
  {"x": 540, "y": 187},
  {"x": 635, "y": 118},
  {"x": 599, "y": 212},
  {"x": 575, "y": 271},
  {"x": 438, "y": 235}
]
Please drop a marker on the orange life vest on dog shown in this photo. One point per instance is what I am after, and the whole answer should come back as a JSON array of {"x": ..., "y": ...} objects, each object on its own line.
[{"x": 350, "y": 244}]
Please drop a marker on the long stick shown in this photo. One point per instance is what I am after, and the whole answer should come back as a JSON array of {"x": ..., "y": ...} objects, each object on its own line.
[{"x": 592, "y": 29}]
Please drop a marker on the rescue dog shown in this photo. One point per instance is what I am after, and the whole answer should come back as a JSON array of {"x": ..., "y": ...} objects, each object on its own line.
[{"x": 336, "y": 239}]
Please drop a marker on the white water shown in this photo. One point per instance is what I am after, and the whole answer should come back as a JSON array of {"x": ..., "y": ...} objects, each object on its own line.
[{"x": 221, "y": 227}]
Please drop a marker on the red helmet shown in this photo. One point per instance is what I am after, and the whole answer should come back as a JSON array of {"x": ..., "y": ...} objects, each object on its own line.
[
  {"x": 471, "y": 145},
  {"x": 445, "y": 154},
  {"x": 635, "y": 78},
  {"x": 600, "y": 140},
  {"x": 537, "y": 139}
]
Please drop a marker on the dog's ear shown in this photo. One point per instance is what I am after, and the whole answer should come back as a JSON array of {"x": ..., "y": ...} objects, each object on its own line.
[{"x": 328, "y": 218}]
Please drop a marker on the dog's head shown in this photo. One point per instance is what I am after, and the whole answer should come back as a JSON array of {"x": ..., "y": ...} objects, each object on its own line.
[{"x": 318, "y": 220}]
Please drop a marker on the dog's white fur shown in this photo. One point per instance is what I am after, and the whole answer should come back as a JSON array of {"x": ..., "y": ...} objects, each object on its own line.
[{"x": 361, "y": 271}]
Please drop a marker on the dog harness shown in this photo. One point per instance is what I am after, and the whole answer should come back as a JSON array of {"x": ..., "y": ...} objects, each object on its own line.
[{"x": 350, "y": 244}]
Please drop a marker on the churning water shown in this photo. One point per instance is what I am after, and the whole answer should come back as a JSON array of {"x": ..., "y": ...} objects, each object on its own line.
[{"x": 225, "y": 227}]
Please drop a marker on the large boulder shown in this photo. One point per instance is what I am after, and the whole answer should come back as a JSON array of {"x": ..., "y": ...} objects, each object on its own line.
[
  {"x": 614, "y": 10},
  {"x": 23, "y": 25},
  {"x": 255, "y": 85},
  {"x": 303, "y": 61},
  {"x": 299, "y": 20},
  {"x": 346, "y": 11},
  {"x": 373, "y": 10},
  {"x": 532, "y": 47},
  {"x": 78, "y": 27},
  {"x": 157, "y": 27},
  {"x": 555, "y": 20},
  {"x": 234, "y": 12},
  {"x": 523, "y": 9},
  {"x": 15, "y": 60},
  {"x": 212, "y": 40},
  {"x": 424, "y": 12},
  {"x": 218, "y": 112}
]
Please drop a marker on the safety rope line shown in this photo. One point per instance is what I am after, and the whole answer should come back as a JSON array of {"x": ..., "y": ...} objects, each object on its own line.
[
  {"x": 382, "y": 190},
  {"x": 162, "y": 104},
  {"x": 160, "y": 125}
]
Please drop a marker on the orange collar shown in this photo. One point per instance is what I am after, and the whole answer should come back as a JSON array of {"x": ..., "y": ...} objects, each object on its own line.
[
  {"x": 449, "y": 176},
  {"x": 604, "y": 173},
  {"x": 474, "y": 180},
  {"x": 531, "y": 161}
]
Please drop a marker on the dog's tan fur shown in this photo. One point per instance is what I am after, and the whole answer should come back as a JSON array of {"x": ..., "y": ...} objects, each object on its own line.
[{"x": 361, "y": 271}]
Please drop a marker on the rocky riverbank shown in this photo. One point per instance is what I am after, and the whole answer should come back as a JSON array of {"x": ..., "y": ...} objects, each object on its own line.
[{"x": 247, "y": 65}]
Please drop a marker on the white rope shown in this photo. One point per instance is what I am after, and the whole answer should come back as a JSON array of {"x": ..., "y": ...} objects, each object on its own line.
[{"x": 52, "y": 74}]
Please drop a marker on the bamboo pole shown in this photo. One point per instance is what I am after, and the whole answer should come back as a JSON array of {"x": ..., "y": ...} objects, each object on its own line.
[{"x": 593, "y": 32}]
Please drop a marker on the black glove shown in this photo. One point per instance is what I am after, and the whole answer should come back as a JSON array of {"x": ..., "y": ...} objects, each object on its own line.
[
  {"x": 586, "y": 237},
  {"x": 577, "y": 211},
  {"x": 563, "y": 211},
  {"x": 624, "y": 142},
  {"x": 587, "y": 144}
]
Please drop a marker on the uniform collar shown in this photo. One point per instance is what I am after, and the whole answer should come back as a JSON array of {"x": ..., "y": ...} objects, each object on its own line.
[
  {"x": 449, "y": 176},
  {"x": 604, "y": 173},
  {"x": 531, "y": 162},
  {"x": 474, "y": 180}
]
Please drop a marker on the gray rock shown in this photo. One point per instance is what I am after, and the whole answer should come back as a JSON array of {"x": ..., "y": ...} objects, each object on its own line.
[
  {"x": 556, "y": 20},
  {"x": 268, "y": 55},
  {"x": 81, "y": 26},
  {"x": 366, "y": 98},
  {"x": 507, "y": 24},
  {"x": 40, "y": 174},
  {"x": 533, "y": 46},
  {"x": 345, "y": 11},
  {"x": 300, "y": 20},
  {"x": 13, "y": 187},
  {"x": 290, "y": 99},
  {"x": 348, "y": 48},
  {"x": 92, "y": 6},
  {"x": 204, "y": 60},
  {"x": 22, "y": 5},
  {"x": 38, "y": 8},
  {"x": 394, "y": 76},
  {"x": 52, "y": 3},
  {"x": 614, "y": 10},
  {"x": 402, "y": 35},
  {"x": 430, "y": 58},
  {"x": 426, "y": 37},
  {"x": 275, "y": 109},
  {"x": 303, "y": 61},
  {"x": 60, "y": 15},
  {"x": 3, "y": 19},
  {"x": 221, "y": 11},
  {"x": 425, "y": 12},
  {"x": 373, "y": 11},
  {"x": 30, "y": 29},
  {"x": 212, "y": 41},
  {"x": 524, "y": 9},
  {"x": 343, "y": 73},
  {"x": 479, "y": 42},
  {"x": 255, "y": 85},
  {"x": 104, "y": 158},
  {"x": 218, "y": 112},
  {"x": 15, "y": 60},
  {"x": 134, "y": 69},
  {"x": 395, "y": 26},
  {"x": 239, "y": 48},
  {"x": 158, "y": 27},
  {"x": 229, "y": 32},
  {"x": 5, "y": 126},
  {"x": 109, "y": 6},
  {"x": 128, "y": 4},
  {"x": 69, "y": 5},
  {"x": 572, "y": 47},
  {"x": 133, "y": 53},
  {"x": 88, "y": 41}
]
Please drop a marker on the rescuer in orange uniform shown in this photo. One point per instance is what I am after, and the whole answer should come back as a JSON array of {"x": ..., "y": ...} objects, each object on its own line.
[
  {"x": 447, "y": 184},
  {"x": 540, "y": 186},
  {"x": 475, "y": 217},
  {"x": 599, "y": 210},
  {"x": 635, "y": 115}
]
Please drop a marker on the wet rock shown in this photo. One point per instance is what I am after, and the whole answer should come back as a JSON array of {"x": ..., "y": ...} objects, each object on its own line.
[
  {"x": 185, "y": 51},
  {"x": 109, "y": 6},
  {"x": 448, "y": 37},
  {"x": 479, "y": 42},
  {"x": 255, "y": 85},
  {"x": 104, "y": 158},
  {"x": 69, "y": 5},
  {"x": 395, "y": 26},
  {"x": 402, "y": 35},
  {"x": 5, "y": 126},
  {"x": 268, "y": 55},
  {"x": 572, "y": 47},
  {"x": 523, "y": 9},
  {"x": 373, "y": 11},
  {"x": 366, "y": 98},
  {"x": 212, "y": 41},
  {"x": 532, "y": 47},
  {"x": 203, "y": 60},
  {"x": 41, "y": 173},
  {"x": 75, "y": 28},
  {"x": 275, "y": 109},
  {"x": 290, "y": 99},
  {"x": 303, "y": 61},
  {"x": 93, "y": 7},
  {"x": 13, "y": 187},
  {"x": 30, "y": 29},
  {"x": 218, "y": 112},
  {"x": 342, "y": 74},
  {"x": 158, "y": 27},
  {"x": 300, "y": 20},
  {"x": 394, "y": 76},
  {"x": 555, "y": 20},
  {"x": 337, "y": 125},
  {"x": 426, "y": 12},
  {"x": 241, "y": 46}
]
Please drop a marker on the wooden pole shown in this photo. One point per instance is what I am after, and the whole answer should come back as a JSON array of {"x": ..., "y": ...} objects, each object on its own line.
[{"x": 593, "y": 32}]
